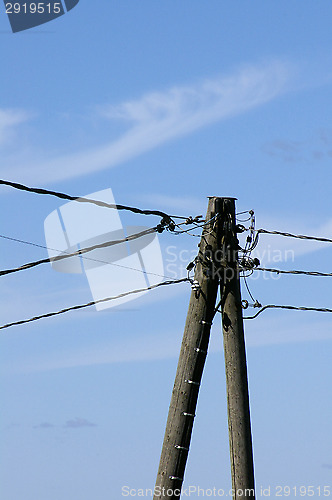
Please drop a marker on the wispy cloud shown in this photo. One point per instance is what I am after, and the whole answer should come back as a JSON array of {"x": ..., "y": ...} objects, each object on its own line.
[
  {"x": 78, "y": 423},
  {"x": 158, "y": 117},
  {"x": 75, "y": 423},
  {"x": 309, "y": 150},
  {"x": 166, "y": 345},
  {"x": 143, "y": 348},
  {"x": 44, "y": 425},
  {"x": 260, "y": 333},
  {"x": 9, "y": 119}
]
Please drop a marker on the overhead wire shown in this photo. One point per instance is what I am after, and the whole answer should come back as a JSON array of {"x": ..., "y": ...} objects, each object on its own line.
[
  {"x": 250, "y": 264},
  {"x": 82, "y": 251},
  {"x": 79, "y": 199},
  {"x": 166, "y": 223},
  {"x": 281, "y": 271},
  {"x": 197, "y": 225},
  {"x": 291, "y": 235},
  {"x": 293, "y": 308},
  {"x": 70, "y": 255},
  {"x": 244, "y": 212},
  {"x": 88, "y": 304},
  {"x": 246, "y": 263},
  {"x": 67, "y": 255},
  {"x": 247, "y": 287}
]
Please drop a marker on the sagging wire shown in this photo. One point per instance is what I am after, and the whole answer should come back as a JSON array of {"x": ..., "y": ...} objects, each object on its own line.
[
  {"x": 296, "y": 272},
  {"x": 241, "y": 213},
  {"x": 198, "y": 224},
  {"x": 291, "y": 235},
  {"x": 245, "y": 305},
  {"x": 167, "y": 221},
  {"x": 244, "y": 276},
  {"x": 245, "y": 261},
  {"x": 77, "y": 253},
  {"x": 247, "y": 264},
  {"x": 67, "y": 254},
  {"x": 79, "y": 199},
  {"x": 248, "y": 289},
  {"x": 252, "y": 238},
  {"x": 89, "y": 304},
  {"x": 165, "y": 224}
]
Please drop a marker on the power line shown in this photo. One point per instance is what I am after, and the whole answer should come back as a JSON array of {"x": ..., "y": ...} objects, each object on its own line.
[
  {"x": 244, "y": 212},
  {"x": 27, "y": 243},
  {"x": 86, "y": 258},
  {"x": 201, "y": 225},
  {"x": 247, "y": 287},
  {"x": 249, "y": 264},
  {"x": 290, "y": 235},
  {"x": 29, "y": 265},
  {"x": 81, "y": 306},
  {"x": 293, "y": 308},
  {"x": 280, "y": 271},
  {"x": 64, "y": 196}
]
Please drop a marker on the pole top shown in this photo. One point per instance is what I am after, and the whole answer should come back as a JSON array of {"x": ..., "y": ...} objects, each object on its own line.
[{"x": 222, "y": 197}]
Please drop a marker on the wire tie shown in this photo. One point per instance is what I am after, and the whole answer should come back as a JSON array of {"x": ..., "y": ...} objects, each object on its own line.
[
  {"x": 197, "y": 349},
  {"x": 178, "y": 447},
  {"x": 176, "y": 478},
  {"x": 206, "y": 322},
  {"x": 195, "y": 286},
  {"x": 188, "y": 414},
  {"x": 192, "y": 382}
]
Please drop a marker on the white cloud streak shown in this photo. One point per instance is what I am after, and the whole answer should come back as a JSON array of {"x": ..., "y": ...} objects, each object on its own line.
[
  {"x": 149, "y": 348},
  {"x": 9, "y": 119},
  {"x": 158, "y": 117}
]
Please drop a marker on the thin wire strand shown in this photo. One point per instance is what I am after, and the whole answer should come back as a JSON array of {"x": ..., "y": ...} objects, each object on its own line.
[
  {"x": 280, "y": 271},
  {"x": 290, "y": 235},
  {"x": 86, "y": 258},
  {"x": 201, "y": 225},
  {"x": 88, "y": 304},
  {"x": 244, "y": 212},
  {"x": 64, "y": 196},
  {"x": 29, "y": 265},
  {"x": 242, "y": 220},
  {"x": 292, "y": 308},
  {"x": 28, "y": 243},
  {"x": 248, "y": 289}
]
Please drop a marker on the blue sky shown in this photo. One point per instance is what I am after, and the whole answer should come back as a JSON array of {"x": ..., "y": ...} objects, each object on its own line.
[{"x": 165, "y": 103}]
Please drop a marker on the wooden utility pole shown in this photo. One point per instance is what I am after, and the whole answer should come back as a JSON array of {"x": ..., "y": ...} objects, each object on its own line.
[
  {"x": 216, "y": 263},
  {"x": 242, "y": 466},
  {"x": 191, "y": 361}
]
